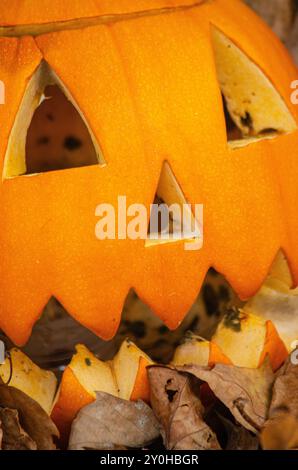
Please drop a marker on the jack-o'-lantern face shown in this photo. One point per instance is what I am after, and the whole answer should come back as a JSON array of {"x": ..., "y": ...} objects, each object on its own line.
[{"x": 177, "y": 99}]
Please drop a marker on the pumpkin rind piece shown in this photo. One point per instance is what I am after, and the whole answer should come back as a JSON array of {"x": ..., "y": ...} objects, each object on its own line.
[
  {"x": 247, "y": 340},
  {"x": 278, "y": 302},
  {"x": 130, "y": 372},
  {"x": 124, "y": 377},
  {"x": 71, "y": 397},
  {"x": 198, "y": 351},
  {"x": 85, "y": 375},
  {"x": 274, "y": 347}
]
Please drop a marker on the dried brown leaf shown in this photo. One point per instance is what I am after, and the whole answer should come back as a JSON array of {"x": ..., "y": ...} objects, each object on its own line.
[
  {"x": 33, "y": 419},
  {"x": 14, "y": 436},
  {"x": 179, "y": 410},
  {"x": 245, "y": 392},
  {"x": 112, "y": 423},
  {"x": 281, "y": 429}
]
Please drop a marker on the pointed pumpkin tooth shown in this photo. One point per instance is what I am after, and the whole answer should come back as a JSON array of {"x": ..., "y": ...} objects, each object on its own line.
[
  {"x": 178, "y": 277},
  {"x": 20, "y": 315},
  {"x": 237, "y": 278},
  {"x": 96, "y": 307}
]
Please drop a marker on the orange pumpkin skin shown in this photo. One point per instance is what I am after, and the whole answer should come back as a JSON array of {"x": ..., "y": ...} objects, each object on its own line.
[
  {"x": 141, "y": 389},
  {"x": 217, "y": 356},
  {"x": 29, "y": 11},
  {"x": 72, "y": 397},
  {"x": 148, "y": 89},
  {"x": 274, "y": 347}
]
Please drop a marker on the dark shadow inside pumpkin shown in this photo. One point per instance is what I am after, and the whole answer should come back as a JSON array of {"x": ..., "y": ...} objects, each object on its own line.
[
  {"x": 234, "y": 133},
  {"x": 163, "y": 223},
  {"x": 57, "y": 137}
]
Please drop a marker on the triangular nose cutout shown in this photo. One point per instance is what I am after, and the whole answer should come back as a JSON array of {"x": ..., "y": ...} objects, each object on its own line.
[
  {"x": 253, "y": 107},
  {"x": 50, "y": 131},
  {"x": 171, "y": 216}
]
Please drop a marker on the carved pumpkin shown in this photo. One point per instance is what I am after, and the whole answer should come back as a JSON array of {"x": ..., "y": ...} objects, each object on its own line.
[{"x": 147, "y": 79}]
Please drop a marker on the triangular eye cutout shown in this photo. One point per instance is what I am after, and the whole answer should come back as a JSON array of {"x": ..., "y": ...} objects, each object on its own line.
[
  {"x": 171, "y": 216},
  {"x": 253, "y": 107},
  {"x": 50, "y": 132}
]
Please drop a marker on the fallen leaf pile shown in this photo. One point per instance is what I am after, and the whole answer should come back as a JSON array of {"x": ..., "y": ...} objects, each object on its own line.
[
  {"x": 192, "y": 408},
  {"x": 198, "y": 408},
  {"x": 226, "y": 406},
  {"x": 24, "y": 425}
]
